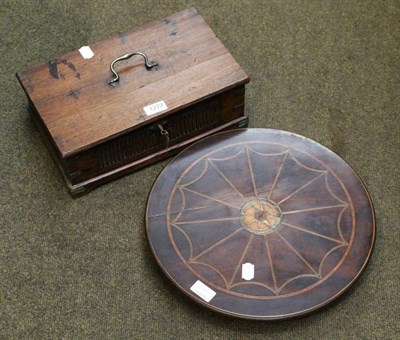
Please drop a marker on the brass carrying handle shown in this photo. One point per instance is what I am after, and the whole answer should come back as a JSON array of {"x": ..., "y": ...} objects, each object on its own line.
[{"x": 148, "y": 64}]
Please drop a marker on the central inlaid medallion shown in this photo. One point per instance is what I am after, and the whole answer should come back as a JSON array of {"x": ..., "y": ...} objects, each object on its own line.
[{"x": 260, "y": 216}]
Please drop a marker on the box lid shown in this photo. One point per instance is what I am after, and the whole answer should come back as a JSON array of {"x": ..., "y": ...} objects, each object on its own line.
[{"x": 80, "y": 109}]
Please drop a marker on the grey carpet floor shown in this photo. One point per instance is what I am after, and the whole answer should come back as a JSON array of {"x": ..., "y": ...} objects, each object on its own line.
[{"x": 328, "y": 70}]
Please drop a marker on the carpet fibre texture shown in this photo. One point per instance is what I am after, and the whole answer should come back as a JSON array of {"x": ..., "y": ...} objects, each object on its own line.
[{"x": 82, "y": 268}]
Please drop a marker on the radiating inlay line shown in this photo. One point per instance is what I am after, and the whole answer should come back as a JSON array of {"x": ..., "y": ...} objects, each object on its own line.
[
  {"x": 251, "y": 172},
  {"x": 314, "y": 233},
  {"x": 211, "y": 198},
  {"x": 185, "y": 210},
  {"x": 215, "y": 244},
  {"x": 278, "y": 173},
  {"x": 302, "y": 187},
  {"x": 209, "y": 220},
  {"x": 226, "y": 179},
  {"x": 317, "y": 208},
  {"x": 271, "y": 264},
  {"x": 298, "y": 255},
  {"x": 241, "y": 260}
]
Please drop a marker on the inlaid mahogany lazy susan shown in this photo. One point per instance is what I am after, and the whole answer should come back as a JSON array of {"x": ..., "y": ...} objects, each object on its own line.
[{"x": 260, "y": 224}]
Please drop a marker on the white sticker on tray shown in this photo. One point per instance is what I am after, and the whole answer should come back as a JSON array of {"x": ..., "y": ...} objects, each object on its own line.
[
  {"x": 155, "y": 108},
  {"x": 205, "y": 292},
  {"x": 248, "y": 271},
  {"x": 86, "y": 52}
]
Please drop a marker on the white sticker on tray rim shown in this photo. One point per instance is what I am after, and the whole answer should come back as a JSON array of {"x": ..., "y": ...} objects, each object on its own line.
[
  {"x": 205, "y": 292},
  {"x": 86, "y": 52},
  {"x": 155, "y": 108},
  {"x": 248, "y": 271}
]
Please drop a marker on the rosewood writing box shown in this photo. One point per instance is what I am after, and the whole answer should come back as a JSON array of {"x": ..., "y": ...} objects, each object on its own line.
[{"x": 125, "y": 102}]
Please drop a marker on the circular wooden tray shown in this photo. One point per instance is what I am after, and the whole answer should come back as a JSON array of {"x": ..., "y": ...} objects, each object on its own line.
[{"x": 260, "y": 224}]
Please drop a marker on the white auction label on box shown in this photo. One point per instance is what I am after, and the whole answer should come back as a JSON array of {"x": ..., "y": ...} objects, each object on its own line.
[
  {"x": 86, "y": 52},
  {"x": 155, "y": 108}
]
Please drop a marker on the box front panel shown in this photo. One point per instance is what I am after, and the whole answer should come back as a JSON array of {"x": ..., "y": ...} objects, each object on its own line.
[{"x": 161, "y": 135}]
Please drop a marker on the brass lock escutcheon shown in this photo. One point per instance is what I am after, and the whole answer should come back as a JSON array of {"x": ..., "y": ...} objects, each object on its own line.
[{"x": 164, "y": 133}]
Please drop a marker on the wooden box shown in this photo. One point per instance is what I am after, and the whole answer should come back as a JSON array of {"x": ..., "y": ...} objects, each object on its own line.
[{"x": 98, "y": 130}]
